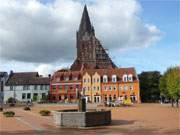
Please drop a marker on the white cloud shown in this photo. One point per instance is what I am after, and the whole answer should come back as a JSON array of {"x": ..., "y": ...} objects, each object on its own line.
[
  {"x": 31, "y": 31},
  {"x": 45, "y": 69}
]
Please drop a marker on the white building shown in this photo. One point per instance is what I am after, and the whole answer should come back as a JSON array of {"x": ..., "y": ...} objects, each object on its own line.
[
  {"x": 26, "y": 86},
  {"x": 3, "y": 79}
]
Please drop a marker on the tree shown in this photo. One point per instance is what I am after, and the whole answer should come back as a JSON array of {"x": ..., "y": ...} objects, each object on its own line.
[
  {"x": 149, "y": 86},
  {"x": 170, "y": 84}
]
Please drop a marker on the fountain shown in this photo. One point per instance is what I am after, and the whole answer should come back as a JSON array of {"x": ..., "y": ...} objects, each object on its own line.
[{"x": 82, "y": 117}]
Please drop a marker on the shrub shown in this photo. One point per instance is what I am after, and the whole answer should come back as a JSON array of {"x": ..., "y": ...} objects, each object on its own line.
[
  {"x": 11, "y": 100},
  {"x": 27, "y": 108},
  {"x": 45, "y": 112},
  {"x": 9, "y": 113}
]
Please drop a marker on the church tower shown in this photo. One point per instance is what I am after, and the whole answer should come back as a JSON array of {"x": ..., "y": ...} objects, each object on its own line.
[{"x": 90, "y": 53}]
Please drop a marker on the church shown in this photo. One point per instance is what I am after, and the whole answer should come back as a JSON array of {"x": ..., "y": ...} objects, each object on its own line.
[
  {"x": 93, "y": 72},
  {"x": 90, "y": 52}
]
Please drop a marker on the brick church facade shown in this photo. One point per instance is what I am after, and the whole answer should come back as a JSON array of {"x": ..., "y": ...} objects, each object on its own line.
[{"x": 90, "y": 52}]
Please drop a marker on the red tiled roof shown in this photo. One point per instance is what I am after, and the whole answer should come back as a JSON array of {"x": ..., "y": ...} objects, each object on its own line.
[{"x": 119, "y": 72}]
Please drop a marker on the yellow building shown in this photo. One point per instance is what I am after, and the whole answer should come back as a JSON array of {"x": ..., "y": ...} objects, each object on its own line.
[
  {"x": 86, "y": 86},
  {"x": 96, "y": 88}
]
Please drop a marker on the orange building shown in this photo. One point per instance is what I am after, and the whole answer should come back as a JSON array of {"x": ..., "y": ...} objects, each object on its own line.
[{"x": 120, "y": 84}]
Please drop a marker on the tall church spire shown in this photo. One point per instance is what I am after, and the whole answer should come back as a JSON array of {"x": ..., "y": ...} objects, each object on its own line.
[
  {"x": 85, "y": 25},
  {"x": 90, "y": 52}
]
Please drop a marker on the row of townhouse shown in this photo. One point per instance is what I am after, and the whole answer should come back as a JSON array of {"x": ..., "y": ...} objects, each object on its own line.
[
  {"x": 97, "y": 85},
  {"x": 26, "y": 86}
]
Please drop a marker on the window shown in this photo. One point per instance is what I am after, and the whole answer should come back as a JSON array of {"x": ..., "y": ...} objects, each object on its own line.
[
  {"x": 120, "y": 87},
  {"x": 67, "y": 79},
  {"x": 94, "y": 80},
  {"x": 98, "y": 88},
  {"x": 94, "y": 88},
  {"x": 84, "y": 80},
  {"x": 23, "y": 95},
  {"x": 88, "y": 80},
  {"x": 97, "y": 79},
  {"x": 114, "y": 97},
  {"x": 130, "y": 78},
  {"x": 88, "y": 88},
  {"x": 110, "y": 88},
  {"x": 105, "y": 79},
  {"x": 11, "y": 87},
  {"x": 66, "y": 87},
  {"x": 110, "y": 98},
  {"x": 124, "y": 78},
  {"x": 125, "y": 87},
  {"x": 41, "y": 87},
  {"x": 24, "y": 87},
  {"x": 28, "y": 95},
  {"x": 35, "y": 87},
  {"x": 105, "y": 97},
  {"x": 95, "y": 99},
  {"x": 114, "y": 78},
  {"x": 105, "y": 88},
  {"x": 60, "y": 87},
  {"x": 131, "y": 87},
  {"x": 114, "y": 88},
  {"x": 46, "y": 87},
  {"x": 54, "y": 87},
  {"x": 75, "y": 79}
]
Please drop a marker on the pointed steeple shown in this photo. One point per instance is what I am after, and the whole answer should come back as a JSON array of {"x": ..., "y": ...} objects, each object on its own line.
[{"x": 85, "y": 25}]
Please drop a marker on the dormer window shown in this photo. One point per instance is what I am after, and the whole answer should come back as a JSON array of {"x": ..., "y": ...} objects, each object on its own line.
[
  {"x": 105, "y": 79},
  {"x": 130, "y": 78},
  {"x": 124, "y": 78},
  {"x": 114, "y": 78}
]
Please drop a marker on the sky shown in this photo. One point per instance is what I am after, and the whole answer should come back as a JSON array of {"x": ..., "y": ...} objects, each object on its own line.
[{"x": 40, "y": 35}]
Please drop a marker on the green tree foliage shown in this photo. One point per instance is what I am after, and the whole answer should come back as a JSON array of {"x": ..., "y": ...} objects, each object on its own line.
[
  {"x": 149, "y": 86},
  {"x": 170, "y": 84}
]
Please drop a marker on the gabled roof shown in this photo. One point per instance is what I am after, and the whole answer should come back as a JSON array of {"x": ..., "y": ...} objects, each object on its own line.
[
  {"x": 3, "y": 74},
  {"x": 27, "y": 78}
]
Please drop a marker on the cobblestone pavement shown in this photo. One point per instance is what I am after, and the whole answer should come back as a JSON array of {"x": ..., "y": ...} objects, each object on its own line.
[{"x": 143, "y": 119}]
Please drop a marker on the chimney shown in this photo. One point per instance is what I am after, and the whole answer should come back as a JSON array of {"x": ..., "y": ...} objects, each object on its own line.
[
  {"x": 11, "y": 72},
  {"x": 49, "y": 75}
]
